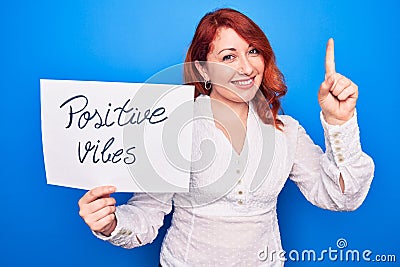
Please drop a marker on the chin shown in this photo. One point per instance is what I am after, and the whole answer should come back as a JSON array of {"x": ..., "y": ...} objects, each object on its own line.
[
  {"x": 236, "y": 95},
  {"x": 247, "y": 96}
]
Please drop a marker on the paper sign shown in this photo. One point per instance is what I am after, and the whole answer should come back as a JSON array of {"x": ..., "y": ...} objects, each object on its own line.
[{"x": 130, "y": 135}]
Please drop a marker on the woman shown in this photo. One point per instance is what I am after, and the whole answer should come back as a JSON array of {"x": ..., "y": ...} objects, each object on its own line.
[{"x": 228, "y": 223}]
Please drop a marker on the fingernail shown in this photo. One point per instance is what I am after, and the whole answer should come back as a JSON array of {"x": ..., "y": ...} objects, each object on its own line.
[{"x": 112, "y": 189}]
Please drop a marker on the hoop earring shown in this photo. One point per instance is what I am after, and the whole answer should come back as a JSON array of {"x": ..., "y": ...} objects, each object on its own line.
[{"x": 207, "y": 85}]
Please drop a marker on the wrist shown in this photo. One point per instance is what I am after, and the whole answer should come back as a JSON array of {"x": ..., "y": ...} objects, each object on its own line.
[{"x": 332, "y": 120}]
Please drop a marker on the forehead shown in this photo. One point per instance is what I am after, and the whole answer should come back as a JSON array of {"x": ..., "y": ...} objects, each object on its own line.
[{"x": 228, "y": 37}]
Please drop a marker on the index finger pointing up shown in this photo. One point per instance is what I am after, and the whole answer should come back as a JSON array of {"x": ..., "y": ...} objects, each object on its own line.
[{"x": 330, "y": 58}]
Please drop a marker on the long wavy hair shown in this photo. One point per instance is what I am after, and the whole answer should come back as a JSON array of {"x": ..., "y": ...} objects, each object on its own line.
[{"x": 273, "y": 85}]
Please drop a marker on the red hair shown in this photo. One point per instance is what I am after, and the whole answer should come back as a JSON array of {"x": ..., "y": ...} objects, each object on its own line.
[{"x": 272, "y": 87}]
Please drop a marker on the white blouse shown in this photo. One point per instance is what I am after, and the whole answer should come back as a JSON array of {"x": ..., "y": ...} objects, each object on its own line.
[{"x": 229, "y": 215}]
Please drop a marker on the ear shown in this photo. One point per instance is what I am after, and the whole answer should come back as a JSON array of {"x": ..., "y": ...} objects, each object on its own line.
[{"x": 202, "y": 70}]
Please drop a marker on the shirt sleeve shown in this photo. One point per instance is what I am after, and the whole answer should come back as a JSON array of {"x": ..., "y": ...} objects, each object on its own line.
[
  {"x": 139, "y": 220},
  {"x": 317, "y": 173}
]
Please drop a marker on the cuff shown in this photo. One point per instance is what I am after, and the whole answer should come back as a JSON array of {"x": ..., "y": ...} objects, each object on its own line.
[{"x": 342, "y": 141}]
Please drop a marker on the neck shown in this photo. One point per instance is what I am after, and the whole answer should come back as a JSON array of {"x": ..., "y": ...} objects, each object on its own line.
[
  {"x": 220, "y": 105},
  {"x": 231, "y": 118}
]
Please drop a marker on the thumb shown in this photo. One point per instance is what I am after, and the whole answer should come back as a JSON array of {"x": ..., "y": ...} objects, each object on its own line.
[{"x": 326, "y": 86}]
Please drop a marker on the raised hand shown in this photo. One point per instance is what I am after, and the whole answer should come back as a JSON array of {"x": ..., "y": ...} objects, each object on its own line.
[
  {"x": 97, "y": 209},
  {"x": 337, "y": 94}
]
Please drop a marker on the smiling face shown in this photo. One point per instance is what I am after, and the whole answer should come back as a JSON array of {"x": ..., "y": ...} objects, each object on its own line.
[{"x": 234, "y": 67}]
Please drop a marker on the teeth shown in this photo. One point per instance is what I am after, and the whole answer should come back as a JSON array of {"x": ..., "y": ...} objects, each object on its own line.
[{"x": 247, "y": 82}]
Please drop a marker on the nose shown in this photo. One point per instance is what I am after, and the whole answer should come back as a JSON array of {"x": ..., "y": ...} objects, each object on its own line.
[{"x": 245, "y": 67}]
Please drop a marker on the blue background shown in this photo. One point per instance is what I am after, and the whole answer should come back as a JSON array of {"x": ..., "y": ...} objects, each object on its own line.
[{"x": 130, "y": 41}]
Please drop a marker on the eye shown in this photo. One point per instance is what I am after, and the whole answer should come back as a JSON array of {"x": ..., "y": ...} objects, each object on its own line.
[
  {"x": 254, "y": 51},
  {"x": 228, "y": 58}
]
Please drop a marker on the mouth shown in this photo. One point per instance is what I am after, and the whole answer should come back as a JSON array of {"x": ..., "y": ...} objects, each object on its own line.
[{"x": 244, "y": 83}]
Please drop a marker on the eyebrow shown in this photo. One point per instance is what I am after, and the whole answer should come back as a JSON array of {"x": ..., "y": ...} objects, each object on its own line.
[{"x": 231, "y": 49}]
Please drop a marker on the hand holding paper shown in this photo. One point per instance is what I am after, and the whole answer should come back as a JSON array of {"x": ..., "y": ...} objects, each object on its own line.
[{"x": 97, "y": 209}]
